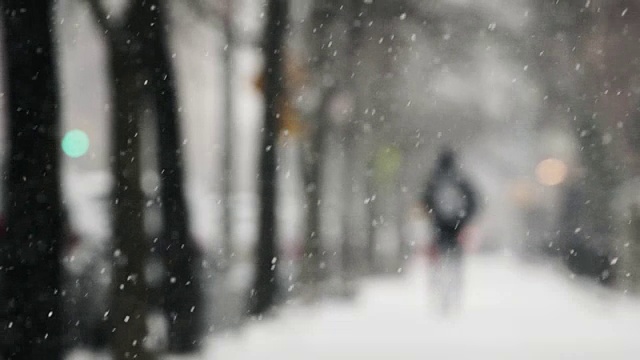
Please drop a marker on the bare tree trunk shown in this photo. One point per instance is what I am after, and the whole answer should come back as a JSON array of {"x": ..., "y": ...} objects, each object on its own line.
[
  {"x": 631, "y": 253},
  {"x": 227, "y": 177},
  {"x": 129, "y": 301},
  {"x": 265, "y": 285},
  {"x": 404, "y": 248},
  {"x": 315, "y": 144},
  {"x": 30, "y": 254},
  {"x": 182, "y": 290},
  {"x": 139, "y": 55},
  {"x": 129, "y": 292},
  {"x": 351, "y": 197},
  {"x": 351, "y": 257},
  {"x": 313, "y": 251},
  {"x": 372, "y": 213}
]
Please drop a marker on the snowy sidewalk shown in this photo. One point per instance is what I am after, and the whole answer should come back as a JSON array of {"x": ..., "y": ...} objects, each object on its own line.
[{"x": 511, "y": 311}]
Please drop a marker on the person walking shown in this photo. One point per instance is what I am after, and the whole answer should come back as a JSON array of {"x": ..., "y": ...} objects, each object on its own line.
[{"x": 450, "y": 202}]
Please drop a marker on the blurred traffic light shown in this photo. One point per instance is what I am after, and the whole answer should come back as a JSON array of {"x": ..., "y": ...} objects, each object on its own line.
[
  {"x": 551, "y": 172},
  {"x": 75, "y": 143}
]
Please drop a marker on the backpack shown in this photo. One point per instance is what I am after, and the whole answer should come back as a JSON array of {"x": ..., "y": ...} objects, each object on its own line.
[{"x": 450, "y": 203}]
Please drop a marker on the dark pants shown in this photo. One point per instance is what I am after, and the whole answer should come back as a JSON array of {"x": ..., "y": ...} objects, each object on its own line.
[{"x": 448, "y": 272}]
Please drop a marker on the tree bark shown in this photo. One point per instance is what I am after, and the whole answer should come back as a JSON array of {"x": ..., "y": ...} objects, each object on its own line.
[
  {"x": 353, "y": 227},
  {"x": 129, "y": 301},
  {"x": 265, "y": 286},
  {"x": 313, "y": 251},
  {"x": 315, "y": 145},
  {"x": 227, "y": 178},
  {"x": 30, "y": 253},
  {"x": 129, "y": 291},
  {"x": 141, "y": 69},
  {"x": 182, "y": 258}
]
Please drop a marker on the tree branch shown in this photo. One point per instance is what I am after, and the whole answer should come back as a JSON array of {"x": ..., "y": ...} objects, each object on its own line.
[
  {"x": 214, "y": 14},
  {"x": 100, "y": 14},
  {"x": 434, "y": 25},
  {"x": 206, "y": 13}
]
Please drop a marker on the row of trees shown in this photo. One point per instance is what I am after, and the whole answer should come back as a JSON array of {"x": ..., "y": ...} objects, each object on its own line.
[
  {"x": 142, "y": 80},
  {"x": 358, "y": 55},
  {"x": 575, "y": 58}
]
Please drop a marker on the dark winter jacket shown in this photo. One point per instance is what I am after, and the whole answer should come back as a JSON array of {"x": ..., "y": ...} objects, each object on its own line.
[{"x": 448, "y": 226}]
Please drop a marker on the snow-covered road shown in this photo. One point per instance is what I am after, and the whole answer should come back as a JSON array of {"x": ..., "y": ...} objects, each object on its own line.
[{"x": 512, "y": 310}]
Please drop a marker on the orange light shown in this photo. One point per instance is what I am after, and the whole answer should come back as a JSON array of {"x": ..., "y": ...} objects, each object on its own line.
[{"x": 551, "y": 172}]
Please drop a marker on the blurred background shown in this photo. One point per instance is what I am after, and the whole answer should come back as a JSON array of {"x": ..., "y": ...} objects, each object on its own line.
[{"x": 226, "y": 171}]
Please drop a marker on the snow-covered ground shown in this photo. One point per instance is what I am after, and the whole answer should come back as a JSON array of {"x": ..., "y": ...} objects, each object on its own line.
[{"x": 511, "y": 310}]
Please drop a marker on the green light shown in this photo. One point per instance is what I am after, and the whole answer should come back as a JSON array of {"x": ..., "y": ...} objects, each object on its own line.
[{"x": 75, "y": 143}]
